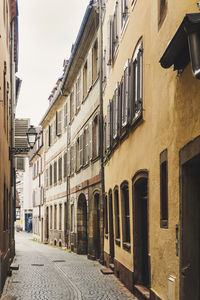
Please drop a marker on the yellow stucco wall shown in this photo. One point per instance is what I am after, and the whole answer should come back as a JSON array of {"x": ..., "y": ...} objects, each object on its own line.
[{"x": 171, "y": 120}]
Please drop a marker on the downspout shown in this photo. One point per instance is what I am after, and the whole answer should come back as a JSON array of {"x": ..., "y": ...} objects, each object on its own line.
[
  {"x": 12, "y": 186},
  {"x": 101, "y": 118}
]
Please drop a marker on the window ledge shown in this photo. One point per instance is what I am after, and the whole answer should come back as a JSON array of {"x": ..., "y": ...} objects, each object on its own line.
[
  {"x": 106, "y": 236},
  {"x": 127, "y": 246}
]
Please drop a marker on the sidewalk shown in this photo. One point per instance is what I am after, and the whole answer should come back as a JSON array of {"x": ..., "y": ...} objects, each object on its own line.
[{"x": 49, "y": 273}]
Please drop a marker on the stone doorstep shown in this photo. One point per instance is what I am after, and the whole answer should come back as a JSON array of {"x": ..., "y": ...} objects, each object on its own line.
[
  {"x": 14, "y": 267},
  {"x": 106, "y": 271},
  {"x": 112, "y": 266},
  {"x": 142, "y": 290}
]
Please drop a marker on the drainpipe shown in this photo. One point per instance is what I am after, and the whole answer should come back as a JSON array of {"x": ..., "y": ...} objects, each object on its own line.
[
  {"x": 101, "y": 116},
  {"x": 12, "y": 185}
]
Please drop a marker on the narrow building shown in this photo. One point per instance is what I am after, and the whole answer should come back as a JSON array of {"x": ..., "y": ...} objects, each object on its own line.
[
  {"x": 81, "y": 85},
  {"x": 8, "y": 98}
]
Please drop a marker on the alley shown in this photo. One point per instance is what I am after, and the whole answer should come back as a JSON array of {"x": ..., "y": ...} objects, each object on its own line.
[{"x": 50, "y": 273}]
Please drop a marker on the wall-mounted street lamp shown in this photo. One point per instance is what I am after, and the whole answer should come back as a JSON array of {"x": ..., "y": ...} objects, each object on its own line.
[{"x": 31, "y": 135}]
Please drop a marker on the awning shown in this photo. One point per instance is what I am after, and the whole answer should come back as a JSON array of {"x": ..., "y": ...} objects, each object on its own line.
[{"x": 179, "y": 49}]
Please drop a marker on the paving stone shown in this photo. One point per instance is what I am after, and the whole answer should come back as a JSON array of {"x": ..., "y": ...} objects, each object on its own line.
[{"x": 58, "y": 274}]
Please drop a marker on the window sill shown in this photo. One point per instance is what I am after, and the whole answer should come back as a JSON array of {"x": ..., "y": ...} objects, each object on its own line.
[
  {"x": 106, "y": 236},
  {"x": 133, "y": 4},
  {"x": 127, "y": 246},
  {"x": 94, "y": 159}
]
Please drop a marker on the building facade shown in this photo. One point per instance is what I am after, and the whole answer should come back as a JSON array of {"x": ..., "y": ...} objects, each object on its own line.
[
  {"x": 81, "y": 84},
  {"x": 151, "y": 141},
  {"x": 8, "y": 67},
  {"x": 55, "y": 168},
  {"x": 36, "y": 163}
]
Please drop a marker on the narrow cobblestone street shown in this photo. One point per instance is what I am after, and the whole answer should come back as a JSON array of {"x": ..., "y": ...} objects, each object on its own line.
[{"x": 50, "y": 273}]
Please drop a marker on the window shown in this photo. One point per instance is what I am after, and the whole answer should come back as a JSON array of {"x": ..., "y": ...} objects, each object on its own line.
[
  {"x": 60, "y": 216},
  {"x": 124, "y": 12},
  {"x": 125, "y": 95},
  {"x": 58, "y": 122},
  {"x": 109, "y": 41},
  {"x": 72, "y": 218},
  {"x": 94, "y": 62},
  {"x": 116, "y": 112},
  {"x": 55, "y": 172},
  {"x": 65, "y": 165},
  {"x": 72, "y": 159},
  {"x": 109, "y": 126},
  {"x": 85, "y": 79},
  {"x": 51, "y": 216},
  {"x": 65, "y": 115},
  {"x": 81, "y": 150},
  {"x": 78, "y": 154},
  {"x": 106, "y": 215},
  {"x": 163, "y": 190},
  {"x": 85, "y": 146},
  {"x": 71, "y": 106},
  {"x": 125, "y": 212},
  {"x": 115, "y": 25},
  {"x": 117, "y": 216},
  {"x": 95, "y": 137},
  {"x": 136, "y": 74},
  {"x": 51, "y": 175},
  {"x": 55, "y": 216},
  {"x": 50, "y": 135},
  {"x": 78, "y": 98},
  {"x": 60, "y": 169},
  {"x": 162, "y": 11}
]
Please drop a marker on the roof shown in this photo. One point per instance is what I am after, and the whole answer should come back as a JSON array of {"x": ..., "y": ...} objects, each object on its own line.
[{"x": 177, "y": 52}]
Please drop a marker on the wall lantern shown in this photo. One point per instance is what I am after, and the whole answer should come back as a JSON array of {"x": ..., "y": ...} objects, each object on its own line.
[{"x": 31, "y": 136}]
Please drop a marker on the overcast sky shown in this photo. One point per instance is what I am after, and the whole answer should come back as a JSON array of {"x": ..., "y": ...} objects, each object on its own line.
[{"x": 47, "y": 30}]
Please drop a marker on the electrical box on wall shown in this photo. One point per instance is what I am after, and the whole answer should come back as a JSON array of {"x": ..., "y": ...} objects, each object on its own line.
[{"x": 171, "y": 287}]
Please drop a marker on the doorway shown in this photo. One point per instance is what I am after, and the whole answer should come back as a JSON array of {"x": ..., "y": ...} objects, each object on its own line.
[
  {"x": 111, "y": 232},
  {"x": 82, "y": 244},
  {"x": 47, "y": 224},
  {"x": 190, "y": 233},
  {"x": 96, "y": 227},
  {"x": 140, "y": 230}
]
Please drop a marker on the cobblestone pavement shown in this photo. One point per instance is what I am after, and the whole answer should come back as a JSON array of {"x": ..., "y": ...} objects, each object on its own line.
[{"x": 48, "y": 273}]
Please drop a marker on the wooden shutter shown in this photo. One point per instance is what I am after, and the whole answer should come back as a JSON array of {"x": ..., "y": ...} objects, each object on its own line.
[
  {"x": 140, "y": 58},
  {"x": 86, "y": 150},
  {"x": 89, "y": 70},
  {"x": 60, "y": 169},
  {"x": 108, "y": 144},
  {"x": 81, "y": 150},
  {"x": 125, "y": 95},
  {"x": 109, "y": 41},
  {"x": 58, "y": 122},
  {"x": 65, "y": 165},
  {"x": 65, "y": 115},
  {"x": 90, "y": 141}
]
